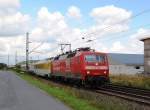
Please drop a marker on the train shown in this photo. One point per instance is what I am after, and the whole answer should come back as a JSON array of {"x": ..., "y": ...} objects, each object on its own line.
[{"x": 82, "y": 66}]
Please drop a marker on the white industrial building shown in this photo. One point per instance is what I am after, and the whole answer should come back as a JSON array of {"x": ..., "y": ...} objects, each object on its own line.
[{"x": 126, "y": 63}]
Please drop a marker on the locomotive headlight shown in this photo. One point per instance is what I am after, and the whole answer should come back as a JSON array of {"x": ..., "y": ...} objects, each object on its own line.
[
  {"x": 104, "y": 72},
  {"x": 88, "y": 72}
]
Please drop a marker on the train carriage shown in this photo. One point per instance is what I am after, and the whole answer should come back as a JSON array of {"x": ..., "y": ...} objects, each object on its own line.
[
  {"x": 41, "y": 68},
  {"x": 83, "y": 64}
]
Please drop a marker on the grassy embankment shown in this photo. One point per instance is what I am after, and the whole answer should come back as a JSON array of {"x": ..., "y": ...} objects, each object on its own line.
[
  {"x": 62, "y": 94},
  {"x": 79, "y": 99},
  {"x": 131, "y": 80}
]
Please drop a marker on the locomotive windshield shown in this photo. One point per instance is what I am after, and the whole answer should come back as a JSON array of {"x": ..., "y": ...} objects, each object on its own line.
[{"x": 95, "y": 58}]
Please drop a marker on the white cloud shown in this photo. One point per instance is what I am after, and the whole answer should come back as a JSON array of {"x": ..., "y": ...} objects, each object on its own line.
[
  {"x": 117, "y": 47},
  {"x": 110, "y": 15},
  {"x": 9, "y": 3},
  {"x": 142, "y": 33},
  {"x": 109, "y": 20},
  {"x": 49, "y": 28},
  {"x": 52, "y": 29},
  {"x": 74, "y": 12},
  {"x": 15, "y": 24},
  {"x": 12, "y": 22},
  {"x": 9, "y": 6},
  {"x": 133, "y": 45}
]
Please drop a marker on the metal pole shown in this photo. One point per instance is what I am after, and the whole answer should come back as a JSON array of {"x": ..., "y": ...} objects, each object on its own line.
[
  {"x": 70, "y": 47},
  {"x": 38, "y": 57},
  {"x": 27, "y": 51},
  {"x": 61, "y": 46},
  {"x": 8, "y": 60},
  {"x": 16, "y": 58}
]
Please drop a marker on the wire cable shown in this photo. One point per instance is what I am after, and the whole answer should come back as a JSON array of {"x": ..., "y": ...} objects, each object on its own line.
[{"x": 109, "y": 27}]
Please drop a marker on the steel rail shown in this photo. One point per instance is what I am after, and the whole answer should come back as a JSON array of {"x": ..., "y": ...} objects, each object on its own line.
[
  {"x": 128, "y": 93},
  {"x": 124, "y": 92},
  {"x": 135, "y": 90}
]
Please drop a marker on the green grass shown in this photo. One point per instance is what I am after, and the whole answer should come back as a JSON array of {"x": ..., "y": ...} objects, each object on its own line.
[
  {"x": 132, "y": 80},
  {"x": 79, "y": 99},
  {"x": 60, "y": 93}
]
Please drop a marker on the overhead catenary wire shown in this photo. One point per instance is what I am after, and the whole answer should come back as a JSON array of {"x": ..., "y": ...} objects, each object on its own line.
[
  {"x": 109, "y": 27},
  {"x": 117, "y": 1},
  {"x": 104, "y": 29},
  {"x": 36, "y": 47},
  {"x": 49, "y": 51},
  {"x": 117, "y": 36}
]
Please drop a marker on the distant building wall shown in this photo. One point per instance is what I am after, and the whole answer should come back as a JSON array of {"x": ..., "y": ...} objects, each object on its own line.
[
  {"x": 146, "y": 55},
  {"x": 125, "y": 69},
  {"x": 117, "y": 69},
  {"x": 135, "y": 69}
]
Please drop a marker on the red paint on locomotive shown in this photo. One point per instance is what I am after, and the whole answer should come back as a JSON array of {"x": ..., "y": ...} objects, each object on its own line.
[{"x": 82, "y": 64}]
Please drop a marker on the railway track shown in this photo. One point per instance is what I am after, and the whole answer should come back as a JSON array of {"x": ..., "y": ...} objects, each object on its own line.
[{"x": 141, "y": 96}]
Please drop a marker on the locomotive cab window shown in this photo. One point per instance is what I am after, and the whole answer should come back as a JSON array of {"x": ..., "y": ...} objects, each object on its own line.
[{"x": 94, "y": 58}]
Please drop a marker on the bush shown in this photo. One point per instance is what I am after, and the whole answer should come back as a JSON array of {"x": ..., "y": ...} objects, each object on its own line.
[
  {"x": 3, "y": 66},
  {"x": 131, "y": 80}
]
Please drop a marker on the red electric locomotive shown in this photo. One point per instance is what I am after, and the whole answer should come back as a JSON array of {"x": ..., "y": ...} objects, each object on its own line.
[{"x": 83, "y": 66}]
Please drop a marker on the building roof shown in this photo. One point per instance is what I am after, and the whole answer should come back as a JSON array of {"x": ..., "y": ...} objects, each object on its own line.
[
  {"x": 128, "y": 59},
  {"x": 113, "y": 61},
  {"x": 145, "y": 38}
]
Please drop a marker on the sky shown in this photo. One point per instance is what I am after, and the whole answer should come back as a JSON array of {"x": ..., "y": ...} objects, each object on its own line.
[{"x": 113, "y": 26}]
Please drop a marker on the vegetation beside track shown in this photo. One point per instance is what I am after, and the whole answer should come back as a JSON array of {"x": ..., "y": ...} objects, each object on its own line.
[
  {"x": 131, "y": 80},
  {"x": 3, "y": 66},
  {"x": 79, "y": 99},
  {"x": 62, "y": 94}
]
